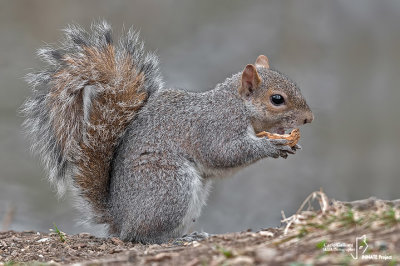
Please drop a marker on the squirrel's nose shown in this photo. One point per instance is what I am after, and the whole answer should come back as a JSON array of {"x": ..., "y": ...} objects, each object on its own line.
[{"x": 309, "y": 118}]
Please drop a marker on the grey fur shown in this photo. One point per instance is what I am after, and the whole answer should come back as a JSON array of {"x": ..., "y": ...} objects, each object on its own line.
[
  {"x": 178, "y": 139},
  {"x": 162, "y": 169}
]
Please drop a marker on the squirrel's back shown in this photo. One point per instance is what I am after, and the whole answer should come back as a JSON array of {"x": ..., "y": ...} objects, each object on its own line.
[{"x": 82, "y": 103}]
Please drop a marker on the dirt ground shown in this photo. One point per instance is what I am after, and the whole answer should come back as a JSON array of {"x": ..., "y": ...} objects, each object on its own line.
[{"x": 363, "y": 232}]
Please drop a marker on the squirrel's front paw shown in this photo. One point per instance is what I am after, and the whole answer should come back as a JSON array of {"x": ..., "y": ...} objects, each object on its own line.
[{"x": 279, "y": 148}]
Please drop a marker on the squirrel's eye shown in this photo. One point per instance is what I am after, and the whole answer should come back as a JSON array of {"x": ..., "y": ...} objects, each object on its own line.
[{"x": 277, "y": 99}]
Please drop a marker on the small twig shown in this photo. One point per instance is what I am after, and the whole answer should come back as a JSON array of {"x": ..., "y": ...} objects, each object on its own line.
[
  {"x": 322, "y": 199},
  {"x": 289, "y": 223},
  {"x": 295, "y": 218},
  {"x": 283, "y": 215},
  {"x": 305, "y": 202}
]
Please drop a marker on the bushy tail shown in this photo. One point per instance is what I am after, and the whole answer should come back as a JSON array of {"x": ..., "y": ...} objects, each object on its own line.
[{"x": 82, "y": 104}]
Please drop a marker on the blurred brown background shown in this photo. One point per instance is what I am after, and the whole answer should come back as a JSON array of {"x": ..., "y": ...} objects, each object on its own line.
[{"x": 344, "y": 55}]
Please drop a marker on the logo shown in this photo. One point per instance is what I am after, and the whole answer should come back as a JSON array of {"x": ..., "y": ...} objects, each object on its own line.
[
  {"x": 357, "y": 249},
  {"x": 361, "y": 244}
]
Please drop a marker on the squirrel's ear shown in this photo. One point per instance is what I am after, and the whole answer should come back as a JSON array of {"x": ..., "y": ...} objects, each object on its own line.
[
  {"x": 262, "y": 61},
  {"x": 250, "y": 80}
]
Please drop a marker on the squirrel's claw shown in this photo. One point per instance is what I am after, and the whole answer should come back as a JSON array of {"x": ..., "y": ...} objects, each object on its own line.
[{"x": 296, "y": 147}]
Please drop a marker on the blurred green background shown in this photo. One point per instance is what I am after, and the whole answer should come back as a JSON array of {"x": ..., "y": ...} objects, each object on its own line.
[{"x": 345, "y": 56}]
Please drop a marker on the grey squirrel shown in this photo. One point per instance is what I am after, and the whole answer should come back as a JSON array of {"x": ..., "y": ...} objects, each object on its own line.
[{"x": 141, "y": 157}]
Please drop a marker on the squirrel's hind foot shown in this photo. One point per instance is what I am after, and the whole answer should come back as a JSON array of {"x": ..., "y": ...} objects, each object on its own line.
[{"x": 194, "y": 236}]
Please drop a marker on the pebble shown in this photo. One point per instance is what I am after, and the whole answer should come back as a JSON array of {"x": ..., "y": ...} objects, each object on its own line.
[{"x": 266, "y": 233}]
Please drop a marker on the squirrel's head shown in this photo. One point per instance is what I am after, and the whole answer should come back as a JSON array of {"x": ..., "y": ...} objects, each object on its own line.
[{"x": 275, "y": 102}]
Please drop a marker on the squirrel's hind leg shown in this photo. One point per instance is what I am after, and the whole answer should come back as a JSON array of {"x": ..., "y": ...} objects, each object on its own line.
[{"x": 161, "y": 200}]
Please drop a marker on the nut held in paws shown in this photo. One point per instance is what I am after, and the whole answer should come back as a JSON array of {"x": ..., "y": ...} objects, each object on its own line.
[{"x": 293, "y": 137}]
